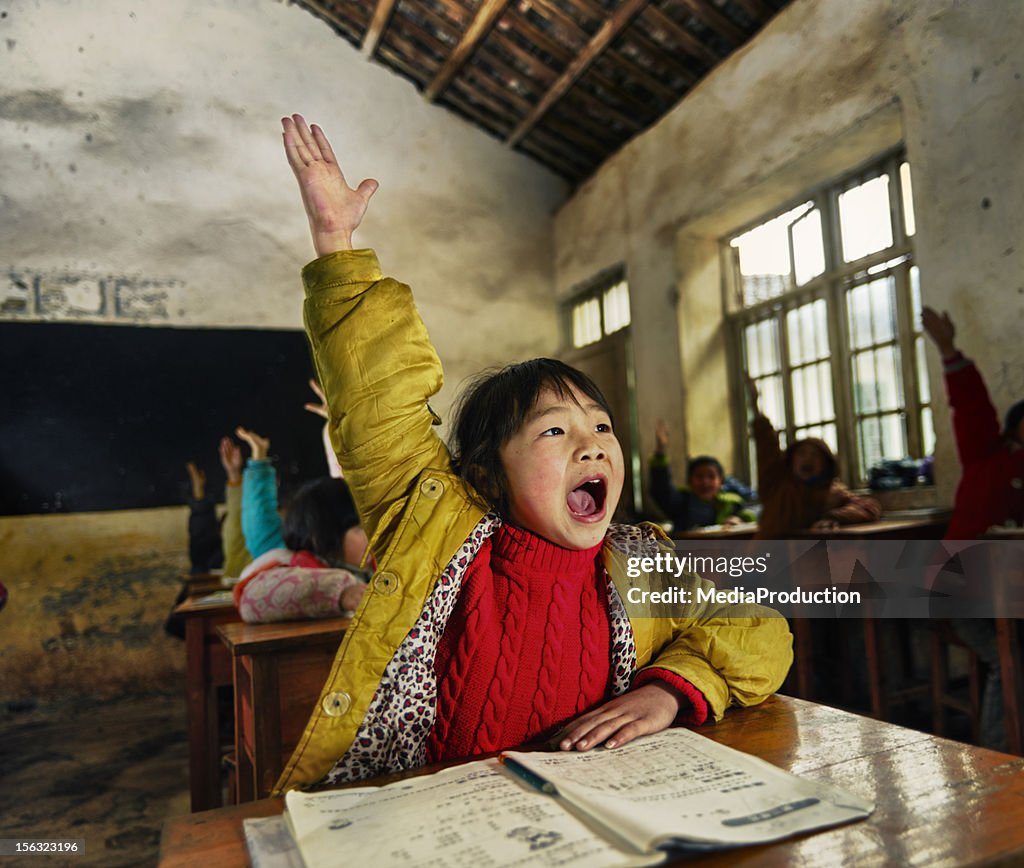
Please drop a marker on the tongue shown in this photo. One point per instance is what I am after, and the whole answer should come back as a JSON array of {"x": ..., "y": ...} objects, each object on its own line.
[{"x": 581, "y": 502}]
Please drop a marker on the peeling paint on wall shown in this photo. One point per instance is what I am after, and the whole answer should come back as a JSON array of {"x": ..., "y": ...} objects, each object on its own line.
[
  {"x": 88, "y": 595},
  {"x": 76, "y": 295}
]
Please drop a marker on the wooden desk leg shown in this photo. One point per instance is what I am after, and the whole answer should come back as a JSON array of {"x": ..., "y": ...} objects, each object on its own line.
[
  {"x": 266, "y": 702},
  {"x": 879, "y": 710},
  {"x": 201, "y": 706},
  {"x": 1009, "y": 672},
  {"x": 245, "y": 791},
  {"x": 803, "y": 657}
]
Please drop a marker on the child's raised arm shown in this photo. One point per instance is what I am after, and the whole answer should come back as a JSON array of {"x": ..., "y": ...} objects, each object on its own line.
[
  {"x": 373, "y": 356},
  {"x": 334, "y": 209}
]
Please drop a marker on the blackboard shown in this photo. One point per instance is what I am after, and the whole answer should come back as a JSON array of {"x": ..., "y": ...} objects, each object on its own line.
[{"x": 98, "y": 417}]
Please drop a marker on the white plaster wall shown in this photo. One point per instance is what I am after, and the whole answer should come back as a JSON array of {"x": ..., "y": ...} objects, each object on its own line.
[
  {"x": 142, "y": 141},
  {"x": 812, "y": 95}
]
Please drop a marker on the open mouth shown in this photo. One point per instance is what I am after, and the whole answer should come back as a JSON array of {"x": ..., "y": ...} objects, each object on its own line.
[{"x": 587, "y": 500}]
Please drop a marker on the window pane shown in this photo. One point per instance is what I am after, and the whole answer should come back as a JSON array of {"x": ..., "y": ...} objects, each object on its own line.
[
  {"x": 765, "y": 268},
  {"x": 889, "y": 385},
  {"x": 924, "y": 392},
  {"x": 821, "y": 345},
  {"x": 865, "y": 398},
  {"x": 799, "y": 385},
  {"x": 858, "y": 303},
  {"x": 883, "y": 310},
  {"x": 869, "y": 441},
  {"x": 928, "y": 431},
  {"x": 894, "y": 437},
  {"x": 808, "y": 247},
  {"x": 825, "y": 390},
  {"x": 915, "y": 295},
  {"x": 864, "y": 218},
  {"x": 586, "y": 322},
  {"x": 909, "y": 224},
  {"x": 772, "y": 405},
  {"x": 616, "y": 308},
  {"x": 795, "y": 329}
]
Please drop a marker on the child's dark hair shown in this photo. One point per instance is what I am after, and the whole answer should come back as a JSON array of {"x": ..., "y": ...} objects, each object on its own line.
[
  {"x": 494, "y": 406},
  {"x": 702, "y": 460},
  {"x": 320, "y": 514}
]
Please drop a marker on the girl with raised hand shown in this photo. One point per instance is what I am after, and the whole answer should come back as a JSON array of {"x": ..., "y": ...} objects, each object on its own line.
[{"x": 497, "y": 615}]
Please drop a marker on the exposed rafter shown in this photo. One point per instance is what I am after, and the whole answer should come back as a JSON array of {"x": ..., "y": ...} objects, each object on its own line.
[
  {"x": 609, "y": 30},
  {"x": 567, "y": 82},
  {"x": 377, "y": 24},
  {"x": 714, "y": 19},
  {"x": 479, "y": 27}
]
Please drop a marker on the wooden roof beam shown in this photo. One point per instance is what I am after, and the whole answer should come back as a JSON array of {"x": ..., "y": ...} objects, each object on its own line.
[
  {"x": 475, "y": 33},
  {"x": 618, "y": 22},
  {"x": 378, "y": 24},
  {"x": 680, "y": 35},
  {"x": 758, "y": 10},
  {"x": 714, "y": 19}
]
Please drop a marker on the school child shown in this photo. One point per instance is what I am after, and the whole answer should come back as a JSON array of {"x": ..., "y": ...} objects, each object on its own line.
[
  {"x": 798, "y": 488},
  {"x": 204, "y": 543},
  {"x": 311, "y": 569},
  {"x": 213, "y": 543},
  {"x": 496, "y": 615},
  {"x": 991, "y": 488},
  {"x": 990, "y": 493},
  {"x": 702, "y": 502}
]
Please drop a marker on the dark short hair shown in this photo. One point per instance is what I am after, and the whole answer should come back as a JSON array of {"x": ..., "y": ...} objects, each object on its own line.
[
  {"x": 321, "y": 512},
  {"x": 1013, "y": 417},
  {"x": 494, "y": 406},
  {"x": 700, "y": 461}
]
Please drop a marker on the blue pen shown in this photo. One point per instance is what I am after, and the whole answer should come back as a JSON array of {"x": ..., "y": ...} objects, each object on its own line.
[{"x": 531, "y": 778}]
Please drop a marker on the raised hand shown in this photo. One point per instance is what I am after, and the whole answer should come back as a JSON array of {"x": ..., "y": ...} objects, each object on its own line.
[
  {"x": 231, "y": 459},
  {"x": 940, "y": 329},
  {"x": 321, "y": 408},
  {"x": 661, "y": 437},
  {"x": 197, "y": 478},
  {"x": 334, "y": 209},
  {"x": 260, "y": 446}
]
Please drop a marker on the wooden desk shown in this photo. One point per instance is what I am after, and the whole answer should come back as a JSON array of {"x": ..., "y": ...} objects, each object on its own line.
[
  {"x": 930, "y": 525},
  {"x": 199, "y": 584},
  {"x": 744, "y": 530},
  {"x": 207, "y": 667},
  {"x": 938, "y": 802},
  {"x": 278, "y": 672}
]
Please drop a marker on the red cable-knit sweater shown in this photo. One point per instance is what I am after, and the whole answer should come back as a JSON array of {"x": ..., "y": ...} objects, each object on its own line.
[{"x": 527, "y": 648}]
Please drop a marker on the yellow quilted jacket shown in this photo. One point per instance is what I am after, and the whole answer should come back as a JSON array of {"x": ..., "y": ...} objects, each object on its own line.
[{"x": 378, "y": 370}]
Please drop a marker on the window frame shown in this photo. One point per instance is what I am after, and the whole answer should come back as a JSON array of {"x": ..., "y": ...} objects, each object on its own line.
[{"x": 832, "y": 285}]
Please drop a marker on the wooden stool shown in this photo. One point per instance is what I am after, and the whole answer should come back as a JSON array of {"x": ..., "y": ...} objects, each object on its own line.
[{"x": 942, "y": 637}]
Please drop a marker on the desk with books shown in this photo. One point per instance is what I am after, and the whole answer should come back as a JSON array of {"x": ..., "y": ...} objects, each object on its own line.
[
  {"x": 937, "y": 802},
  {"x": 278, "y": 672}
]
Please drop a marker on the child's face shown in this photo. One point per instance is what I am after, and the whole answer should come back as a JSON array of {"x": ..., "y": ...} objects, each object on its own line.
[
  {"x": 808, "y": 462},
  {"x": 564, "y": 470},
  {"x": 705, "y": 481}
]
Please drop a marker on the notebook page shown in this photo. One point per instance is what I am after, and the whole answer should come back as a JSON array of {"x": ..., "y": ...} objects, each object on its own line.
[
  {"x": 679, "y": 784},
  {"x": 474, "y": 815}
]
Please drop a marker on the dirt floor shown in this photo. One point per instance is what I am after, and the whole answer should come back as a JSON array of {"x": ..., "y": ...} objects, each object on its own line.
[{"x": 108, "y": 773}]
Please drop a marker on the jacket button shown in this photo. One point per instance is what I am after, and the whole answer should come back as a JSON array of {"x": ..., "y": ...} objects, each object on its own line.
[
  {"x": 336, "y": 704},
  {"x": 385, "y": 583},
  {"x": 432, "y": 488}
]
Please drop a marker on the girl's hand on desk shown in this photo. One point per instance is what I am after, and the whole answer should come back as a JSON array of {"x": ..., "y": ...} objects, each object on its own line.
[{"x": 642, "y": 711}]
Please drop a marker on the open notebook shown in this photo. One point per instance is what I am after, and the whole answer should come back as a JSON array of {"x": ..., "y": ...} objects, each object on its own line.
[{"x": 622, "y": 807}]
